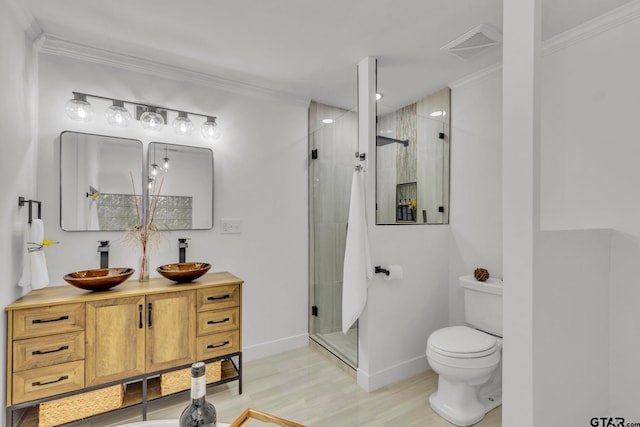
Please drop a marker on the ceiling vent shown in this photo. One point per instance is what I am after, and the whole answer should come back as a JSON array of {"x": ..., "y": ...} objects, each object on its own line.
[{"x": 473, "y": 42}]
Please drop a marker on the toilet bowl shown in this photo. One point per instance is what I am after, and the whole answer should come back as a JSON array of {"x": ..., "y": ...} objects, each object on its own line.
[{"x": 467, "y": 359}]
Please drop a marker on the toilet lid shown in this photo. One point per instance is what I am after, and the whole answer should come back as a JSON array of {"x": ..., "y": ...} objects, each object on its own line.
[{"x": 462, "y": 342}]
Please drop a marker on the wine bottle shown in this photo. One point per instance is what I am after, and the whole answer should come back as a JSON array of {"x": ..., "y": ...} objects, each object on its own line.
[{"x": 199, "y": 412}]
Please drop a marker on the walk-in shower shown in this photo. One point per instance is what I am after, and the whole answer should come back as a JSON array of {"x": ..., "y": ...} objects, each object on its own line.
[{"x": 333, "y": 141}]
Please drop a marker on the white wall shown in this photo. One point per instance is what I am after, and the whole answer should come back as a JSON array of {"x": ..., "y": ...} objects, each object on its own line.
[
  {"x": 590, "y": 174},
  {"x": 476, "y": 180},
  {"x": 260, "y": 178},
  {"x": 571, "y": 326},
  {"x": 17, "y": 164},
  {"x": 399, "y": 315}
]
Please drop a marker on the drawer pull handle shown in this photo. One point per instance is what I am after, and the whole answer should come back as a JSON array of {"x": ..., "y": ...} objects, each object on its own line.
[
  {"x": 50, "y": 320},
  {"x": 213, "y": 322},
  {"x": 140, "y": 322},
  {"x": 218, "y": 345},
  {"x": 38, "y": 383},
  {"x": 150, "y": 308},
  {"x": 227, "y": 296},
  {"x": 64, "y": 347}
]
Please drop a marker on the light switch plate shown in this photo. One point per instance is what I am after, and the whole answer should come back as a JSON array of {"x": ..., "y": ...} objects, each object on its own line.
[{"x": 230, "y": 226}]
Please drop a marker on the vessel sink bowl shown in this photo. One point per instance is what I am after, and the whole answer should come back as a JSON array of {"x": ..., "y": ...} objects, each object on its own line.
[
  {"x": 182, "y": 272},
  {"x": 99, "y": 279}
]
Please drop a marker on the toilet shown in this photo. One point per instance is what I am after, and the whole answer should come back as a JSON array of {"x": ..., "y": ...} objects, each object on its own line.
[{"x": 468, "y": 358}]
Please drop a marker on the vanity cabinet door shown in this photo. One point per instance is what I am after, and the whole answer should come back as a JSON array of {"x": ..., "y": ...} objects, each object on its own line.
[
  {"x": 115, "y": 339},
  {"x": 171, "y": 330}
]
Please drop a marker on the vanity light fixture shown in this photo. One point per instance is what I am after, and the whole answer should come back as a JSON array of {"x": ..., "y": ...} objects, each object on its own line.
[
  {"x": 182, "y": 124},
  {"x": 78, "y": 108},
  {"x": 438, "y": 113},
  {"x": 151, "y": 117},
  {"x": 327, "y": 121},
  {"x": 117, "y": 115},
  {"x": 210, "y": 128}
]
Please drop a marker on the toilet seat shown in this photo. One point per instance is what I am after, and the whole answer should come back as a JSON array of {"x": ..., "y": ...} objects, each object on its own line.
[{"x": 462, "y": 342}]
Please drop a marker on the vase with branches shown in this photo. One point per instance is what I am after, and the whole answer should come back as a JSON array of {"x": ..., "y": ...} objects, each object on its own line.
[{"x": 145, "y": 232}]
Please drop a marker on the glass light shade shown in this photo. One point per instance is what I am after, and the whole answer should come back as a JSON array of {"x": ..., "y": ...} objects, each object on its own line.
[
  {"x": 182, "y": 124},
  {"x": 166, "y": 163},
  {"x": 210, "y": 128},
  {"x": 78, "y": 108},
  {"x": 154, "y": 169},
  {"x": 118, "y": 115},
  {"x": 151, "y": 119}
]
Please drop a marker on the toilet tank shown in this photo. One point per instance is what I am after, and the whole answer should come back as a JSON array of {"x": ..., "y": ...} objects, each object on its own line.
[{"x": 483, "y": 304}]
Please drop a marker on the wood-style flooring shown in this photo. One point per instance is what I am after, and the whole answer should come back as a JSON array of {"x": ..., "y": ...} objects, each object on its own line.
[{"x": 305, "y": 386}]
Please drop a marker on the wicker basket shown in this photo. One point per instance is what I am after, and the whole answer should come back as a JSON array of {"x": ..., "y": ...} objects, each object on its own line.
[
  {"x": 173, "y": 382},
  {"x": 72, "y": 408}
]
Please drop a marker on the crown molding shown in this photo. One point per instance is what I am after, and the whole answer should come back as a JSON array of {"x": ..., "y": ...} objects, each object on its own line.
[
  {"x": 57, "y": 46},
  {"x": 592, "y": 28},
  {"x": 477, "y": 76}
]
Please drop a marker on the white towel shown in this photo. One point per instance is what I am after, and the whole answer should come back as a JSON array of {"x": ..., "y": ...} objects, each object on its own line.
[
  {"x": 25, "y": 279},
  {"x": 357, "y": 259},
  {"x": 34, "y": 271}
]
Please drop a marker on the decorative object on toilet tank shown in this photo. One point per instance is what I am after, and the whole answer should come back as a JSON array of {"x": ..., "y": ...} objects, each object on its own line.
[{"x": 481, "y": 274}]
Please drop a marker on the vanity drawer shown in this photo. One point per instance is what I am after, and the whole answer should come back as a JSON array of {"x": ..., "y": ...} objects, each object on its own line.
[
  {"x": 46, "y": 351},
  {"x": 217, "y": 345},
  {"x": 48, "y": 381},
  {"x": 218, "y": 297},
  {"x": 42, "y": 321},
  {"x": 210, "y": 322}
]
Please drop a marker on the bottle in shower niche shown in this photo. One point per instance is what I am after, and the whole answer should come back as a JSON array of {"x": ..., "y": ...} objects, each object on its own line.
[{"x": 199, "y": 412}]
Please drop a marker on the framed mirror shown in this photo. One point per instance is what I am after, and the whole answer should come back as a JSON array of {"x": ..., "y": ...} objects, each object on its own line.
[
  {"x": 181, "y": 179},
  {"x": 96, "y": 189},
  {"x": 412, "y": 158}
]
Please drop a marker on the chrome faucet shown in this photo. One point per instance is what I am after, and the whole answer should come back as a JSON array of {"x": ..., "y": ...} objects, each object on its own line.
[
  {"x": 182, "y": 249},
  {"x": 103, "y": 248}
]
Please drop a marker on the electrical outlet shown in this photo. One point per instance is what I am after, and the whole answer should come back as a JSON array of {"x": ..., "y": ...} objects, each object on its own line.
[{"x": 231, "y": 226}]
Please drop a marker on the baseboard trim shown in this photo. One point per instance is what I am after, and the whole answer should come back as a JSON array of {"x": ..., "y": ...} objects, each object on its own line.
[
  {"x": 270, "y": 348},
  {"x": 371, "y": 382}
]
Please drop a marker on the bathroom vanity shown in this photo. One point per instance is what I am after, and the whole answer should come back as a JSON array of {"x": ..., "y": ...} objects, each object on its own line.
[{"x": 63, "y": 342}]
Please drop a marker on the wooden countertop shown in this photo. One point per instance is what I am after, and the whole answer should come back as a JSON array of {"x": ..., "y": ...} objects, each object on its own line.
[{"x": 70, "y": 294}]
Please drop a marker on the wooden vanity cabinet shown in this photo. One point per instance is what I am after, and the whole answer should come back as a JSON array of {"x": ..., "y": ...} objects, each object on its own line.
[{"x": 63, "y": 340}]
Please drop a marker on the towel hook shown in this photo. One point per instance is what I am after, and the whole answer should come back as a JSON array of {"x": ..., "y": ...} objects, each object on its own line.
[{"x": 22, "y": 201}]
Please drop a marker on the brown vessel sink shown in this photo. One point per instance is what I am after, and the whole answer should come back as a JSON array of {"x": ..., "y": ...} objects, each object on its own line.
[
  {"x": 99, "y": 279},
  {"x": 183, "y": 271}
]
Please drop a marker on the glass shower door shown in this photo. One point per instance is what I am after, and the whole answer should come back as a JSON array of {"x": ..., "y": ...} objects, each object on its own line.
[{"x": 333, "y": 141}]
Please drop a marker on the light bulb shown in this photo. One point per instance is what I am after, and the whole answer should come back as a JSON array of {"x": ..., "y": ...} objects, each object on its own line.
[
  {"x": 150, "y": 184},
  {"x": 118, "y": 115},
  {"x": 154, "y": 169},
  {"x": 210, "y": 128},
  {"x": 166, "y": 163},
  {"x": 182, "y": 125},
  {"x": 151, "y": 119},
  {"x": 79, "y": 108}
]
